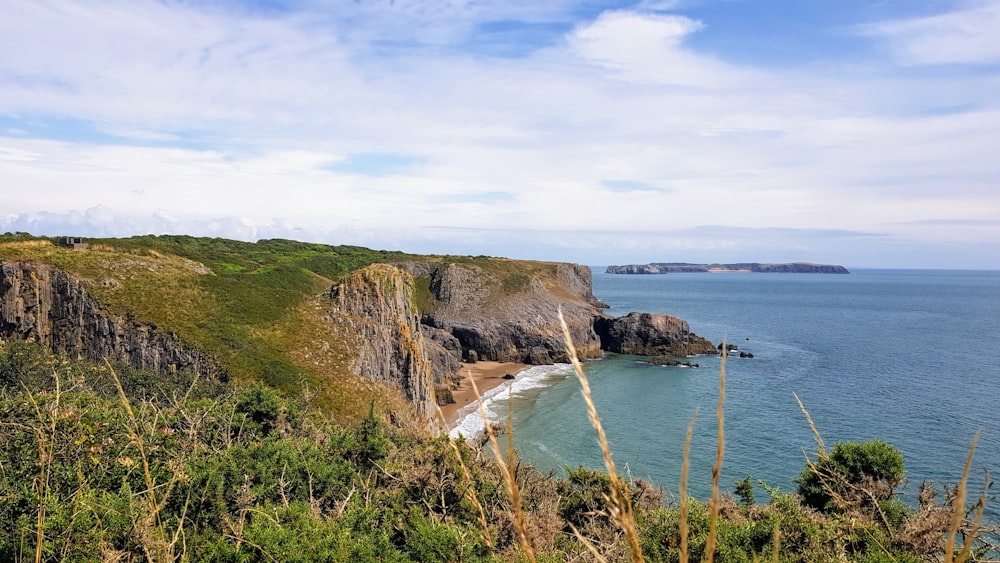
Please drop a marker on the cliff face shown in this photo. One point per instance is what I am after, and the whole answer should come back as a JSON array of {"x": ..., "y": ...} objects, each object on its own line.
[
  {"x": 513, "y": 318},
  {"x": 488, "y": 309},
  {"x": 647, "y": 334},
  {"x": 47, "y": 305},
  {"x": 375, "y": 306}
]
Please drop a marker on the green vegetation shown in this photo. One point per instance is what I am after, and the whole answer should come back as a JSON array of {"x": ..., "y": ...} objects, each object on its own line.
[
  {"x": 293, "y": 461},
  {"x": 97, "y": 464},
  {"x": 253, "y": 306},
  {"x": 856, "y": 476}
]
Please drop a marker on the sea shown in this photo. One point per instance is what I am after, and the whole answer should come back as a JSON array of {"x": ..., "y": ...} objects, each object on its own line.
[{"x": 910, "y": 357}]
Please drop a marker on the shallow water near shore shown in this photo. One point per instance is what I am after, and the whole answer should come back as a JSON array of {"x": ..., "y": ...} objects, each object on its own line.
[{"x": 909, "y": 357}]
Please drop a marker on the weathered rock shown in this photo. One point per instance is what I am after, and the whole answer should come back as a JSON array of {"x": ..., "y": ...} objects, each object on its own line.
[
  {"x": 579, "y": 279},
  {"x": 499, "y": 324},
  {"x": 539, "y": 356},
  {"x": 647, "y": 334},
  {"x": 444, "y": 352},
  {"x": 665, "y": 361},
  {"x": 443, "y": 395},
  {"x": 375, "y": 303},
  {"x": 45, "y": 304}
]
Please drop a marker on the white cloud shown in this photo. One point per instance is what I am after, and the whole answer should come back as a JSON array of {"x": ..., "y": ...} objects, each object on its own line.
[
  {"x": 229, "y": 124},
  {"x": 646, "y": 47},
  {"x": 965, "y": 36}
]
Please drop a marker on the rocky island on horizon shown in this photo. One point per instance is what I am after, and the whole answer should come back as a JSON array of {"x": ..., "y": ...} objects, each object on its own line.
[{"x": 754, "y": 267}]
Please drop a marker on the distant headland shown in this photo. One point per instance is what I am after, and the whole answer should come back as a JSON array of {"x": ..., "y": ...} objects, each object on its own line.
[{"x": 683, "y": 267}]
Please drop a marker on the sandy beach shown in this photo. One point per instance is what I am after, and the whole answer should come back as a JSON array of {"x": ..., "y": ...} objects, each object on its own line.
[{"x": 487, "y": 375}]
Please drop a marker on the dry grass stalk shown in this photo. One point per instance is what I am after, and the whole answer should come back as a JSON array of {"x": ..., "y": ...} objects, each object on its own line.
[
  {"x": 826, "y": 478},
  {"x": 685, "y": 467},
  {"x": 977, "y": 521},
  {"x": 589, "y": 545},
  {"x": 958, "y": 514},
  {"x": 776, "y": 542},
  {"x": 713, "y": 509},
  {"x": 45, "y": 457},
  {"x": 819, "y": 439},
  {"x": 152, "y": 532},
  {"x": 621, "y": 505},
  {"x": 470, "y": 491},
  {"x": 512, "y": 491}
]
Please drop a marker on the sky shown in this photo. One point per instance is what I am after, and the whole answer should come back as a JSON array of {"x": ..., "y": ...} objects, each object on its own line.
[{"x": 857, "y": 132}]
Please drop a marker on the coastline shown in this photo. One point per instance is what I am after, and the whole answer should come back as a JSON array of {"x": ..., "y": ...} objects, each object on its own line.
[
  {"x": 466, "y": 420},
  {"x": 488, "y": 375}
]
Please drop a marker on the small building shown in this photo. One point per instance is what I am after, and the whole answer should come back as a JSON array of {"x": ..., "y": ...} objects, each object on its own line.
[{"x": 76, "y": 243}]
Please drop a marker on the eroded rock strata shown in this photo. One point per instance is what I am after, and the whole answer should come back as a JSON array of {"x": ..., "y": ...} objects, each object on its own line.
[
  {"x": 502, "y": 311},
  {"x": 376, "y": 304},
  {"x": 46, "y": 305},
  {"x": 646, "y": 334}
]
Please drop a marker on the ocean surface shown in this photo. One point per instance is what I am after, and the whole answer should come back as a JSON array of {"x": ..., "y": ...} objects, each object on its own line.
[{"x": 911, "y": 357}]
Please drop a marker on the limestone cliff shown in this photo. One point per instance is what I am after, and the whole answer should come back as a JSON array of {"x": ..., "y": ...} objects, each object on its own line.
[
  {"x": 506, "y": 311},
  {"x": 44, "y": 304},
  {"x": 375, "y": 306}
]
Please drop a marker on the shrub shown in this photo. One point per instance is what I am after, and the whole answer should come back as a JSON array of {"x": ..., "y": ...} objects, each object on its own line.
[
  {"x": 261, "y": 406},
  {"x": 854, "y": 476}
]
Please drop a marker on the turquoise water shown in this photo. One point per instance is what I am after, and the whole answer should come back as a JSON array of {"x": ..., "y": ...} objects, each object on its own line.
[{"x": 909, "y": 357}]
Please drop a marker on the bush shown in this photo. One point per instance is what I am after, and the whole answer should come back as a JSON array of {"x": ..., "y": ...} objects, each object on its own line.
[
  {"x": 261, "y": 406},
  {"x": 853, "y": 476}
]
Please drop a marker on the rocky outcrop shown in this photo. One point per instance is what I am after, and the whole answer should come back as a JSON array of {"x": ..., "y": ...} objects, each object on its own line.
[
  {"x": 46, "y": 305},
  {"x": 579, "y": 280},
  {"x": 375, "y": 305},
  {"x": 680, "y": 267},
  {"x": 444, "y": 352},
  {"x": 513, "y": 318},
  {"x": 647, "y": 334}
]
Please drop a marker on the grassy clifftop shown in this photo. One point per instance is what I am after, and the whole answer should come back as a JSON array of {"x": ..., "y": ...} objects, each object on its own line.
[{"x": 253, "y": 306}]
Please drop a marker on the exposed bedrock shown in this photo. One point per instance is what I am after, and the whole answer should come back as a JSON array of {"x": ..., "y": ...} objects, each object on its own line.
[
  {"x": 375, "y": 304},
  {"x": 513, "y": 318},
  {"x": 46, "y": 305},
  {"x": 647, "y": 334}
]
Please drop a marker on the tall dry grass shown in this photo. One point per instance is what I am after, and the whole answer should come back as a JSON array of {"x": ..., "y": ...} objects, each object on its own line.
[
  {"x": 683, "y": 510},
  {"x": 959, "y": 514},
  {"x": 720, "y": 451},
  {"x": 513, "y": 493},
  {"x": 620, "y": 507},
  {"x": 470, "y": 490}
]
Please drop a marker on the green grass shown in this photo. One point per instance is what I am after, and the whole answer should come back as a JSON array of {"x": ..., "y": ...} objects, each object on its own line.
[
  {"x": 244, "y": 303},
  {"x": 252, "y": 305},
  {"x": 97, "y": 465}
]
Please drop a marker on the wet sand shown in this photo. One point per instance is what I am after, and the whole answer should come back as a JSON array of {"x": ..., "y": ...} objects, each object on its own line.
[{"x": 487, "y": 376}]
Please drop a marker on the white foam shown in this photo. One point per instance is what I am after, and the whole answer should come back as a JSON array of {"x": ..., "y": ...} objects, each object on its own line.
[{"x": 470, "y": 422}]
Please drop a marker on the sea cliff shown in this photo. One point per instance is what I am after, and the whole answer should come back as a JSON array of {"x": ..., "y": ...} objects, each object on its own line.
[
  {"x": 298, "y": 316},
  {"x": 47, "y": 305}
]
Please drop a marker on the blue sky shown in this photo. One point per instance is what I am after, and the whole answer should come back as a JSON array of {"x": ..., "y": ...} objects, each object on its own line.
[{"x": 856, "y": 132}]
